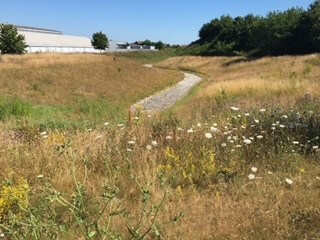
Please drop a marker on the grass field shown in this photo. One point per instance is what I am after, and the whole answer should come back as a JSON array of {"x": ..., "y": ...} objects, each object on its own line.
[
  {"x": 72, "y": 87},
  {"x": 237, "y": 159}
]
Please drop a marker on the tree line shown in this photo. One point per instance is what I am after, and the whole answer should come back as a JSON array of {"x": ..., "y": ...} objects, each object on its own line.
[{"x": 294, "y": 31}]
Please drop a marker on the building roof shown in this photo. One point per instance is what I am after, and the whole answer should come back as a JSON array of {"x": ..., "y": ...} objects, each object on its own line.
[
  {"x": 34, "y": 29},
  {"x": 42, "y": 39}
]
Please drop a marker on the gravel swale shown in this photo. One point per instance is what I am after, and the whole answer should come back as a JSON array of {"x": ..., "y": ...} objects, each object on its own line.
[{"x": 168, "y": 97}]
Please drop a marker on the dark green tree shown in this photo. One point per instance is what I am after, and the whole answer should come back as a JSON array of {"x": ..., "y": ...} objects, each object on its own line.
[
  {"x": 160, "y": 45},
  {"x": 314, "y": 15},
  {"x": 11, "y": 42},
  {"x": 100, "y": 41}
]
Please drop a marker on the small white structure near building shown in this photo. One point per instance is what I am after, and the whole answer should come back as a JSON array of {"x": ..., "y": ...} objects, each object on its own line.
[{"x": 52, "y": 41}]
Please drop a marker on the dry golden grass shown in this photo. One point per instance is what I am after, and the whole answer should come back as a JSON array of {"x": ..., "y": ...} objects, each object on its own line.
[
  {"x": 63, "y": 79},
  {"x": 281, "y": 80},
  {"x": 229, "y": 206}
]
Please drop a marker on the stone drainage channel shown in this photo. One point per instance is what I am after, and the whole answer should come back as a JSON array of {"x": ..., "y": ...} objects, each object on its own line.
[{"x": 167, "y": 98}]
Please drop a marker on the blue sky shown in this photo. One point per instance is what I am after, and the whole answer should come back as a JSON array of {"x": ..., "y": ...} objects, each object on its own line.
[{"x": 172, "y": 21}]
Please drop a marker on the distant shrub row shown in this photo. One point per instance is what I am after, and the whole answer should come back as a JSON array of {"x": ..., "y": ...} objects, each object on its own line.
[{"x": 295, "y": 31}]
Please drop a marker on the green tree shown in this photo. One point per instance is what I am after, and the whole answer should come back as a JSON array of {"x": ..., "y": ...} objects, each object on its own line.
[
  {"x": 159, "y": 45},
  {"x": 314, "y": 15},
  {"x": 11, "y": 42},
  {"x": 100, "y": 41}
]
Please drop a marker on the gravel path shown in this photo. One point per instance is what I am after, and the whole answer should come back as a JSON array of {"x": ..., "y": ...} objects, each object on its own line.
[{"x": 168, "y": 97}]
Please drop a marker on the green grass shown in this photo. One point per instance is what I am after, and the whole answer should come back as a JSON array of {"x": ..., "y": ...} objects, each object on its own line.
[
  {"x": 81, "y": 115},
  {"x": 149, "y": 57}
]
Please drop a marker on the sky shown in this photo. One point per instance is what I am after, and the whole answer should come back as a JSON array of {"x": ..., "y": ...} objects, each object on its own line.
[{"x": 172, "y": 21}]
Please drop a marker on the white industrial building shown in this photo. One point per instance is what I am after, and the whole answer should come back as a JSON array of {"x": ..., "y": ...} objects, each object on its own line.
[{"x": 45, "y": 40}]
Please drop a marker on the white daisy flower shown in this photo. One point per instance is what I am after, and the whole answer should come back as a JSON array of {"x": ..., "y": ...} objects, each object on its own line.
[
  {"x": 168, "y": 137},
  {"x": 208, "y": 135},
  {"x": 289, "y": 181},
  {"x": 262, "y": 110},
  {"x": 254, "y": 169},
  {"x": 247, "y": 141},
  {"x": 214, "y": 129},
  {"x": 251, "y": 176},
  {"x": 149, "y": 147},
  {"x": 259, "y": 136},
  {"x": 223, "y": 144},
  {"x": 295, "y": 142},
  {"x": 234, "y": 108},
  {"x": 154, "y": 143},
  {"x": 190, "y": 131},
  {"x": 131, "y": 142}
]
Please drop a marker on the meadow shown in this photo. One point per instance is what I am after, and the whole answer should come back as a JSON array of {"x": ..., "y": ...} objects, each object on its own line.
[{"x": 237, "y": 159}]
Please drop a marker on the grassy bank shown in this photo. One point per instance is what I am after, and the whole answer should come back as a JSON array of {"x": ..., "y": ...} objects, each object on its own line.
[{"x": 76, "y": 87}]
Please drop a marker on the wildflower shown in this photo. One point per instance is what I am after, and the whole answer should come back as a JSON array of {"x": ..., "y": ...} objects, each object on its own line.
[
  {"x": 233, "y": 150},
  {"x": 315, "y": 147},
  {"x": 199, "y": 125},
  {"x": 262, "y": 110},
  {"x": 214, "y": 129},
  {"x": 259, "y": 136},
  {"x": 120, "y": 125},
  {"x": 89, "y": 129},
  {"x": 168, "y": 137},
  {"x": 235, "y": 108},
  {"x": 208, "y": 135},
  {"x": 231, "y": 141},
  {"x": 251, "y": 138},
  {"x": 254, "y": 169},
  {"x": 284, "y": 116},
  {"x": 238, "y": 146},
  {"x": 256, "y": 121},
  {"x": 190, "y": 130},
  {"x": 247, "y": 141},
  {"x": 131, "y": 142},
  {"x": 136, "y": 118},
  {"x": 251, "y": 176},
  {"x": 273, "y": 128},
  {"x": 45, "y": 136},
  {"x": 289, "y": 181},
  {"x": 247, "y": 114},
  {"x": 215, "y": 125},
  {"x": 295, "y": 142},
  {"x": 270, "y": 172},
  {"x": 149, "y": 147},
  {"x": 223, "y": 144},
  {"x": 40, "y": 176},
  {"x": 239, "y": 116},
  {"x": 149, "y": 116},
  {"x": 106, "y": 123},
  {"x": 43, "y": 133},
  {"x": 282, "y": 126},
  {"x": 154, "y": 143},
  {"x": 180, "y": 129},
  {"x": 129, "y": 150}
]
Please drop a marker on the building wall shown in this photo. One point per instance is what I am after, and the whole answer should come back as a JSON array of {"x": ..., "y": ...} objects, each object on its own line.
[{"x": 61, "y": 49}]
